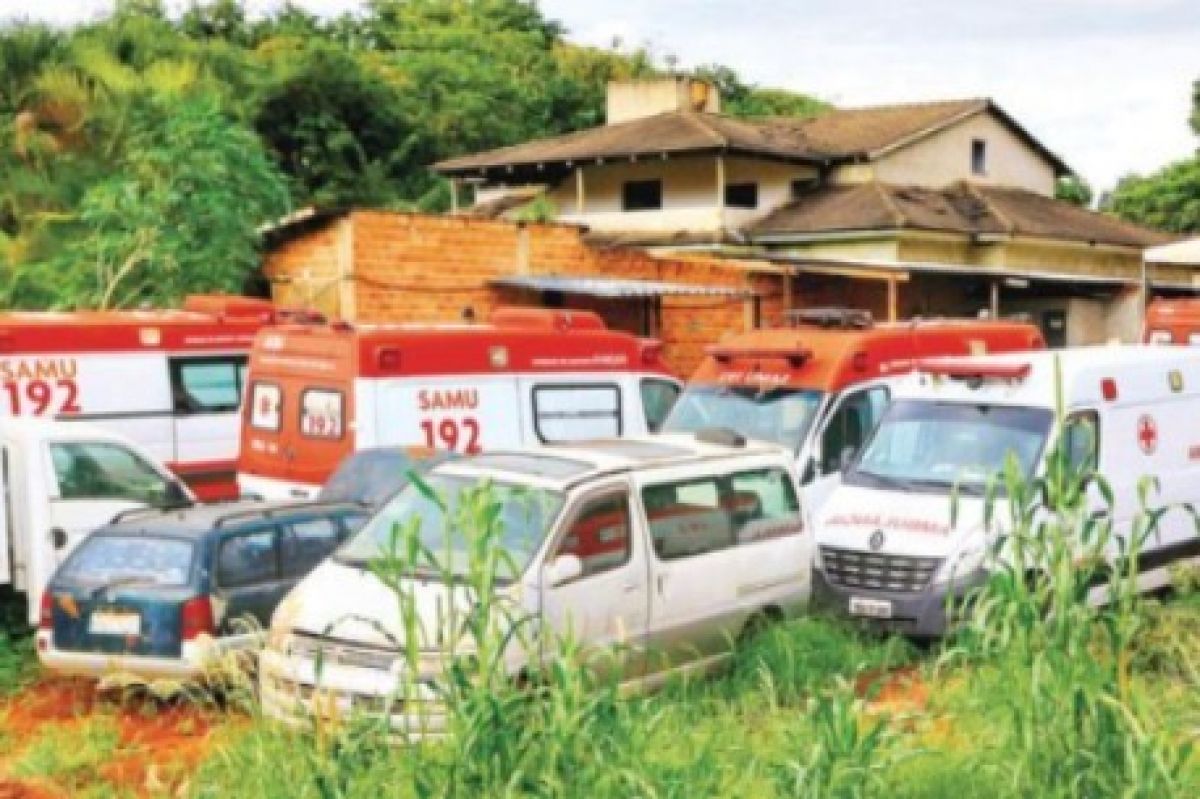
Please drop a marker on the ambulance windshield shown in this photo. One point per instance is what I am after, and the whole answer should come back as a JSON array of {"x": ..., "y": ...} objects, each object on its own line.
[
  {"x": 781, "y": 415},
  {"x": 922, "y": 445},
  {"x": 444, "y": 516}
]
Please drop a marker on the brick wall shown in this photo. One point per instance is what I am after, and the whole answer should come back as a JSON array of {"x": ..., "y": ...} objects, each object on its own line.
[{"x": 414, "y": 267}]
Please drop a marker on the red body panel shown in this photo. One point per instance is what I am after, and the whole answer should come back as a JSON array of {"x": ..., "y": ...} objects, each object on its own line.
[{"x": 1179, "y": 318}]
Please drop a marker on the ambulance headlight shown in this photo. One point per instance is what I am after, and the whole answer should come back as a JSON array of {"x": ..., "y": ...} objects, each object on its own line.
[{"x": 970, "y": 558}]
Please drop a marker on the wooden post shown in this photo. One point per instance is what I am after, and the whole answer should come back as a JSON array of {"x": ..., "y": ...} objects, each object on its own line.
[
  {"x": 454, "y": 195},
  {"x": 893, "y": 299},
  {"x": 721, "y": 190},
  {"x": 579, "y": 190},
  {"x": 994, "y": 304}
]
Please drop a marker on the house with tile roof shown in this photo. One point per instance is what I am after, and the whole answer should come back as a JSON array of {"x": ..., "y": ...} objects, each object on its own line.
[{"x": 921, "y": 209}]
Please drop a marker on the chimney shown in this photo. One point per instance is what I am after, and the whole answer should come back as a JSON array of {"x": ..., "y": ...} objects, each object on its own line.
[{"x": 634, "y": 99}]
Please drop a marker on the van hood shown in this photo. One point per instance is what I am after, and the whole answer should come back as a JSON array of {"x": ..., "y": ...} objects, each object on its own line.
[
  {"x": 353, "y": 604},
  {"x": 911, "y": 523}
]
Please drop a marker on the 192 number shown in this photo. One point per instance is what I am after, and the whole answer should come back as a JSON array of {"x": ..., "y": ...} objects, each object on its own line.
[
  {"x": 40, "y": 397},
  {"x": 459, "y": 435}
]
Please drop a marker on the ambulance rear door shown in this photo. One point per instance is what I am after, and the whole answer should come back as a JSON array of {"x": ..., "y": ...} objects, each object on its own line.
[
  {"x": 466, "y": 413},
  {"x": 206, "y": 393}
]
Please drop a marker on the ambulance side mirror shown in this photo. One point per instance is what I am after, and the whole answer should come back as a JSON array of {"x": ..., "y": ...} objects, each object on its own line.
[{"x": 563, "y": 569}]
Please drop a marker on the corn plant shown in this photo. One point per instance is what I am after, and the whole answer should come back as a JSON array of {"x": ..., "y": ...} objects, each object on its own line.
[{"x": 1059, "y": 616}]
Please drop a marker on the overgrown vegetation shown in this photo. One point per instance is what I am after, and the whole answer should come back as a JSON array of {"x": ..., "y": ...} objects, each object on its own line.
[
  {"x": 140, "y": 152},
  {"x": 1039, "y": 693}
]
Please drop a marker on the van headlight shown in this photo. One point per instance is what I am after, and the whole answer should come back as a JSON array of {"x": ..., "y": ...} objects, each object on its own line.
[{"x": 969, "y": 559}]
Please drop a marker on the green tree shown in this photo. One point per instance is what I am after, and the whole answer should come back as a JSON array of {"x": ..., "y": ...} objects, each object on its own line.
[
  {"x": 179, "y": 213},
  {"x": 1075, "y": 190},
  {"x": 1168, "y": 199},
  {"x": 742, "y": 99}
]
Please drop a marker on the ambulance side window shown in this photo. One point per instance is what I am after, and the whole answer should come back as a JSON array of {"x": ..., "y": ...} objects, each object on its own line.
[
  {"x": 1081, "y": 441},
  {"x": 658, "y": 398},
  {"x": 850, "y": 426},
  {"x": 207, "y": 385},
  {"x": 577, "y": 411}
]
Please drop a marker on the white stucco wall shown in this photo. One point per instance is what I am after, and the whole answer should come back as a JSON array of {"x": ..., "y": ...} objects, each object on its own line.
[{"x": 945, "y": 157}]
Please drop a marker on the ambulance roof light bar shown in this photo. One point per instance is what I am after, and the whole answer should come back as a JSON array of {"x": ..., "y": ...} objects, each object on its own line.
[
  {"x": 969, "y": 369},
  {"x": 837, "y": 318},
  {"x": 795, "y": 356}
]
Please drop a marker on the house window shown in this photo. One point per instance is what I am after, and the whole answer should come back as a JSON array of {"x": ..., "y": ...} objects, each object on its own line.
[
  {"x": 641, "y": 195},
  {"x": 978, "y": 156},
  {"x": 803, "y": 186},
  {"x": 741, "y": 195}
]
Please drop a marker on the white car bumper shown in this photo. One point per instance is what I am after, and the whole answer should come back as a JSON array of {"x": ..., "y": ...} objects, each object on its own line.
[{"x": 271, "y": 488}]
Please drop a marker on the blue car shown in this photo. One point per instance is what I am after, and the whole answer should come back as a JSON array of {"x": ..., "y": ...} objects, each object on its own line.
[{"x": 160, "y": 593}]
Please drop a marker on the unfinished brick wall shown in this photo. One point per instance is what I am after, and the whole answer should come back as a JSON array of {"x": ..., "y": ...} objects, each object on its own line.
[{"x": 417, "y": 268}]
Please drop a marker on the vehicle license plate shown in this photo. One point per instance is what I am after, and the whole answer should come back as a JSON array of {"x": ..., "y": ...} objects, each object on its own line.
[
  {"x": 110, "y": 623},
  {"x": 870, "y": 608}
]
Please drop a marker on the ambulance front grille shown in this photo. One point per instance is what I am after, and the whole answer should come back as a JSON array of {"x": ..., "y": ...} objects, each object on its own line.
[{"x": 850, "y": 568}]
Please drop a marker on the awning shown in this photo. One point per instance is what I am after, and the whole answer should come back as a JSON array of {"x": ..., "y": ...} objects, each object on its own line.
[
  {"x": 1181, "y": 253},
  {"x": 902, "y": 269},
  {"x": 614, "y": 288}
]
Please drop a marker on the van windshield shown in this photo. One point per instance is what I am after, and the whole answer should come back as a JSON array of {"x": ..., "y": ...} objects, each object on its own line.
[
  {"x": 930, "y": 446},
  {"x": 780, "y": 415},
  {"x": 524, "y": 516}
]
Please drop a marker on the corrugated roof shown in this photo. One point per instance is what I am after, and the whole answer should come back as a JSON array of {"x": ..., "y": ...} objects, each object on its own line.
[
  {"x": 836, "y": 135},
  {"x": 961, "y": 208},
  {"x": 613, "y": 288}
]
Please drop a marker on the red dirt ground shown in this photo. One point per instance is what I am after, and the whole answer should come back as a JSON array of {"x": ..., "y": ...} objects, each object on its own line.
[{"x": 160, "y": 743}]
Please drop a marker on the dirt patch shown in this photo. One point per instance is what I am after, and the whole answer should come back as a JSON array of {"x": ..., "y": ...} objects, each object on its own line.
[
  {"x": 896, "y": 692},
  {"x": 160, "y": 744}
]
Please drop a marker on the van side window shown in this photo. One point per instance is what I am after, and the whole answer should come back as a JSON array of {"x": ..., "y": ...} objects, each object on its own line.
[
  {"x": 658, "y": 397},
  {"x": 850, "y": 426},
  {"x": 321, "y": 413},
  {"x": 1081, "y": 441},
  {"x": 247, "y": 559},
  {"x": 266, "y": 406},
  {"x": 576, "y": 412},
  {"x": 699, "y": 516},
  {"x": 307, "y": 543},
  {"x": 599, "y": 535},
  {"x": 207, "y": 385}
]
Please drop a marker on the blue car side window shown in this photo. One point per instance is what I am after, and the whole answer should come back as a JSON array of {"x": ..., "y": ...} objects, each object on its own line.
[{"x": 247, "y": 559}]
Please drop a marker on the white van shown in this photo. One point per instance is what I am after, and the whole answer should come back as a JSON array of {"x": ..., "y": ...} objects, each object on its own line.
[
  {"x": 886, "y": 548},
  {"x": 60, "y": 481},
  {"x": 669, "y": 546}
]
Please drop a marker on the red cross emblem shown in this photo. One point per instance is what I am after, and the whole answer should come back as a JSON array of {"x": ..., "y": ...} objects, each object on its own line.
[{"x": 1147, "y": 434}]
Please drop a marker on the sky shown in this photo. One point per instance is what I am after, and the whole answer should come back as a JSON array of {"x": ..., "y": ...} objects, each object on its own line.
[{"x": 1106, "y": 84}]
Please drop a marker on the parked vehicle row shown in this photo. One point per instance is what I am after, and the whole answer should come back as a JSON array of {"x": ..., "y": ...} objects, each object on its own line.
[{"x": 816, "y": 462}]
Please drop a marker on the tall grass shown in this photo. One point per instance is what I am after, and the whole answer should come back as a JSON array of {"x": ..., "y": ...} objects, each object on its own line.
[{"x": 1039, "y": 693}]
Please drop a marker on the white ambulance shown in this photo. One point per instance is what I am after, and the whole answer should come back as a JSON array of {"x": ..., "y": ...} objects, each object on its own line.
[
  {"x": 169, "y": 380},
  {"x": 320, "y": 392},
  {"x": 886, "y": 548},
  {"x": 60, "y": 481}
]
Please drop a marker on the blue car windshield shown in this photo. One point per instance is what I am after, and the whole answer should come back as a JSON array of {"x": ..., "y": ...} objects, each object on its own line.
[{"x": 106, "y": 560}]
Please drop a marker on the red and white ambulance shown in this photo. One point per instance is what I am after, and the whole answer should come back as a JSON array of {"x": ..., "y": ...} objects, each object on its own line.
[
  {"x": 316, "y": 393},
  {"x": 168, "y": 380},
  {"x": 820, "y": 387},
  {"x": 1173, "y": 322}
]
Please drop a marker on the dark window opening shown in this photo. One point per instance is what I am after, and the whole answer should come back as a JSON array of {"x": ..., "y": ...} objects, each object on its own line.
[
  {"x": 741, "y": 195},
  {"x": 804, "y": 186},
  {"x": 641, "y": 195},
  {"x": 978, "y": 157}
]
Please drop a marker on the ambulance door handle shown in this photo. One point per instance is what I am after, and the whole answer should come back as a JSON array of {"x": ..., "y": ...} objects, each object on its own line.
[{"x": 661, "y": 581}]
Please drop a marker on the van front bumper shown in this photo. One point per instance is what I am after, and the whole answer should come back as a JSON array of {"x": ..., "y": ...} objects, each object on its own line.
[
  {"x": 299, "y": 695},
  {"x": 927, "y": 614}
]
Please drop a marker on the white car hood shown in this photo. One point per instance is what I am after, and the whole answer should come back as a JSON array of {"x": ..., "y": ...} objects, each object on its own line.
[
  {"x": 912, "y": 523},
  {"x": 352, "y": 604}
]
